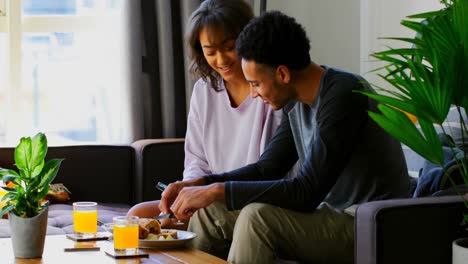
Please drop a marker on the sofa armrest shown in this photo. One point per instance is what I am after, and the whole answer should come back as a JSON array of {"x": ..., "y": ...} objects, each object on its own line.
[
  {"x": 157, "y": 160},
  {"x": 419, "y": 230}
]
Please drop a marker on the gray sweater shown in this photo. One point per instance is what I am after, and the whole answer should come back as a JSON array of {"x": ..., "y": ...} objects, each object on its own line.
[{"x": 345, "y": 157}]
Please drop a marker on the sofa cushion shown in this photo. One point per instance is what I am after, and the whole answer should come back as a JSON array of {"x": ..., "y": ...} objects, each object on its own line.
[{"x": 60, "y": 219}]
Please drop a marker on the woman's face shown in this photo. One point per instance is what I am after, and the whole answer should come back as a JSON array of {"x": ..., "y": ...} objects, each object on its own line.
[{"x": 219, "y": 52}]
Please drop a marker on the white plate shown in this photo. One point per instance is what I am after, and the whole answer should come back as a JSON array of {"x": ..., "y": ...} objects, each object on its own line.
[{"x": 183, "y": 237}]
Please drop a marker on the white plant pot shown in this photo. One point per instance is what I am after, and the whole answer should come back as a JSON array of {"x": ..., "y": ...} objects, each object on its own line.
[
  {"x": 460, "y": 251},
  {"x": 28, "y": 234}
]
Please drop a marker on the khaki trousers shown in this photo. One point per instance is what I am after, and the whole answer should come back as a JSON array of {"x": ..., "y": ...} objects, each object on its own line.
[{"x": 262, "y": 233}]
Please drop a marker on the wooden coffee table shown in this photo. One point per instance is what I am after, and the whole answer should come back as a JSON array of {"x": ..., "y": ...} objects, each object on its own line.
[{"x": 54, "y": 253}]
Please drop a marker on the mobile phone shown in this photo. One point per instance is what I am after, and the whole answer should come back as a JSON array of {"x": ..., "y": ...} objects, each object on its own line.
[{"x": 161, "y": 186}]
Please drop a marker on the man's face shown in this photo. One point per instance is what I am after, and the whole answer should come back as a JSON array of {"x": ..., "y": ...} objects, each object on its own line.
[{"x": 266, "y": 83}]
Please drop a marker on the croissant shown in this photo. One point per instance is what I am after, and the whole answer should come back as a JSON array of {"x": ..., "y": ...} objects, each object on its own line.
[
  {"x": 150, "y": 228},
  {"x": 147, "y": 226}
]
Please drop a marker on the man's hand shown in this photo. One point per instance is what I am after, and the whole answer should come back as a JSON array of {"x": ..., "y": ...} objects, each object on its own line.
[
  {"x": 191, "y": 199},
  {"x": 170, "y": 193}
]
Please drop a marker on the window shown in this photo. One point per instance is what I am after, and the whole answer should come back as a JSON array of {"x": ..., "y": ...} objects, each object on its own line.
[
  {"x": 2, "y": 8},
  {"x": 3, "y": 85},
  {"x": 60, "y": 65}
]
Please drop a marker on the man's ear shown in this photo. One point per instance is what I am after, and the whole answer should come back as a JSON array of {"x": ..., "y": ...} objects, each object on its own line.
[{"x": 283, "y": 74}]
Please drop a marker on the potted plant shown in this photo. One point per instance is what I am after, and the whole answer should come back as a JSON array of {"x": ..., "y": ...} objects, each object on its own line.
[
  {"x": 27, "y": 211},
  {"x": 428, "y": 79}
]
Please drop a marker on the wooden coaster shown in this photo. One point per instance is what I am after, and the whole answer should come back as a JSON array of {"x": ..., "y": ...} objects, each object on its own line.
[
  {"x": 117, "y": 255},
  {"x": 99, "y": 236},
  {"x": 83, "y": 246},
  {"x": 75, "y": 249}
]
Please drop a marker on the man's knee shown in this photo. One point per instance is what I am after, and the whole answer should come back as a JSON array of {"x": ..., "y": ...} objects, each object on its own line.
[
  {"x": 214, "y": 217},
  {"x": 252, "y": 234},
  {"x": 213, "y": 211},
  {"x": 255, "y": 215}
]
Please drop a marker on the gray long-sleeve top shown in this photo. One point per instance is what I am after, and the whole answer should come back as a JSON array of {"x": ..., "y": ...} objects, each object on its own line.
[{"x": 346, "y": 157}]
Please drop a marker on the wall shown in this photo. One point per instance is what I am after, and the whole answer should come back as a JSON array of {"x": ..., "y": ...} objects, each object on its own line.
[
  {"x": 344, "y": 32},
  {"x": 332, "y": 27},
  {"x": 381, "y": 18}
]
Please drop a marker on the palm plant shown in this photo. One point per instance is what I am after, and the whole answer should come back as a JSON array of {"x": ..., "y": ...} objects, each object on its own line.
[{"x": 428, "y": 79}]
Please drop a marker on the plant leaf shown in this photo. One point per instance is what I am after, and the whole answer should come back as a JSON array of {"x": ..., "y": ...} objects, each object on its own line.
[
  {"x": 9, "y": 177},
  {"x": 47, "y": 176},
  {"x": 426, "y": 14},
  {"x": 23, "y": 156},
  {"x": 50, "y": 171},
  {"x": 6, "y": 172},
  {"x": 34, "y": 185},
  {"x": 398, "y": 125},
  {"x": 9, "y": 189},
  {"x": 6, "y": 209},
  {"x": 10, "y": 195},
  {"x": 427, "y": 78},
  {"x": 39, "y": 151}
]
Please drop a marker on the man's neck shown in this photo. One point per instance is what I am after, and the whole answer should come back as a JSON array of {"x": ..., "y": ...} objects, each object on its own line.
[{"x": 307, "y": 83}]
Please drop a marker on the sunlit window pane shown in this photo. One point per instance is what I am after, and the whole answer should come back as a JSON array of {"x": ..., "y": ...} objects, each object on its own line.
[
  {"x": 3, "y": 86},
  {"x": 3, "y": 61},
  {"x": 67, "y": 7},
  {"x": 57, "y": 95},
  {"x": 69, "y": 85},
  {"x": 66, "y": 78},
  {"x": 48, "y": 7}
]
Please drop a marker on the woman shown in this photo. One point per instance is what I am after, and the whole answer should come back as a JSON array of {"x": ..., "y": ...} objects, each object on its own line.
[{"x": 226, "y": 128}]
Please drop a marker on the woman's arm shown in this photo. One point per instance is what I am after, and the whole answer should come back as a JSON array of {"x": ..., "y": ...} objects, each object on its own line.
[{"x": 195, "y": 163}]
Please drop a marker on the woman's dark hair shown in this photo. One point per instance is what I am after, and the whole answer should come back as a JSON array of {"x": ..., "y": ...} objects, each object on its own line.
[
  {"x": 274, "y": 39},
  {"x": 230, "y": 15}
]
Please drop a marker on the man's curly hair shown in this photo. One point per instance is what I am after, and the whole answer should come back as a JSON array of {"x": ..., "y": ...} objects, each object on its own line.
[{"x": 274, "y": 39}]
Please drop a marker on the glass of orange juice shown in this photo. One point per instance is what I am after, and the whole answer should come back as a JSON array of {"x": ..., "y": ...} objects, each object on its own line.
[
  {"x": 125, "y": 234},
  {"x": 85, "y": 219}
]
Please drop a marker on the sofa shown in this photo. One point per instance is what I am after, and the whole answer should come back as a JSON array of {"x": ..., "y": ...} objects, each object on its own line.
[
  {"x": 412, "y": 230},
  {"x": 408, "y": 231},
  {"x": 116, "y": 177},
  {"x": 404, "y": 231}
]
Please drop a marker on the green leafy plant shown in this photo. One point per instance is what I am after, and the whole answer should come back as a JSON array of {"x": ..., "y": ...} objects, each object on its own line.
[
  {"x": 427, "y": 79},
  {"x": 31, "y": 182}
]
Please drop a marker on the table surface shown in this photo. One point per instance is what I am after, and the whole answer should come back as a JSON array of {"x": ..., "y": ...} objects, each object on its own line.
[{"x": 54, "y": 253}]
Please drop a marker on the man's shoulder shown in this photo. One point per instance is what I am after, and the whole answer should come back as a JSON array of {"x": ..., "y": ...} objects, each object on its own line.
[
  {"x": 341, "y": 76},
  {"x": 342, "y": 81},
  {"x": 288, "y": 107}
]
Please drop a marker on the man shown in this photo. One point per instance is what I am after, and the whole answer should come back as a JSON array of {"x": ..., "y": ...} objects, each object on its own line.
[{"x": 255, "y": 213}]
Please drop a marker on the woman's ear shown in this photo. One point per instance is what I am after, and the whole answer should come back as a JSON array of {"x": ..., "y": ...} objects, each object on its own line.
[{"x": 282, "y": 74}]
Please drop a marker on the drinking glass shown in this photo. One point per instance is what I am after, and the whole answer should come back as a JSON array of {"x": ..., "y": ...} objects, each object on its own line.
[
  {"x": 125, "y": 234},
  {"x": 85, "y": 219}
]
